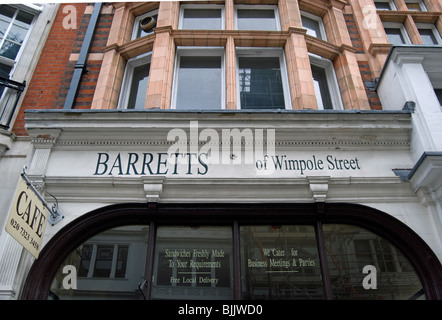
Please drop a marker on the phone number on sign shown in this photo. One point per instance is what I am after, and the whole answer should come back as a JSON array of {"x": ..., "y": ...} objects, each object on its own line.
[{"x": 24, "y": 233}]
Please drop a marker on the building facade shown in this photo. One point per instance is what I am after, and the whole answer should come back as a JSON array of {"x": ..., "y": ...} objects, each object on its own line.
[{"x": 232, "y": 150}]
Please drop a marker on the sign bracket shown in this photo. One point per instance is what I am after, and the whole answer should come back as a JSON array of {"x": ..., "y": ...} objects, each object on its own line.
[{"x": 55, "y": 215}]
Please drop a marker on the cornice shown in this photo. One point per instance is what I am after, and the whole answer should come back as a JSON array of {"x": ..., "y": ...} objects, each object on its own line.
[
  {"x": 249, "y": 190},
  {"x": 305, "y": 130}
]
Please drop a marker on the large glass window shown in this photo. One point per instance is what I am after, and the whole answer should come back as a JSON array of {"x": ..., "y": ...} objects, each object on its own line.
[
  {"x": 193, "y": 263},
  {"x": 235, "y": 260},
  {"x": 396, "y": 33},
  {"x": 262, "y": 80},
  {"x": 14, "y": 26},
  {"x": 201, "y": 17},
  {"x": 429, "y": 34},
  {"x": 257, "y": 18},
  {"x": 110, "y": 265},
  {"x": 199, "y": 79},
  {"x": 134, "y": 86},
  {"x": 325, "y": 83},
  {"x": 350, "y": 249},
  {"x": 314, "y": 25},
  {"x": 321, "y": 88},
  {"x": 280, "y": 262}
]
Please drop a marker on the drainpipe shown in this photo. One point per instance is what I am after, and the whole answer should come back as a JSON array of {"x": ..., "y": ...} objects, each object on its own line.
[{"x": 80, "y": 66}]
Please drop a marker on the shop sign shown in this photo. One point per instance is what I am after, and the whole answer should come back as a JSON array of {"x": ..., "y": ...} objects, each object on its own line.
[{"x": 27, "y": 219}]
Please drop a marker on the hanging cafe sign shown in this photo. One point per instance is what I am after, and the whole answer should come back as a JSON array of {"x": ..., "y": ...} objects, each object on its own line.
[{"x": 29, "y": 215}]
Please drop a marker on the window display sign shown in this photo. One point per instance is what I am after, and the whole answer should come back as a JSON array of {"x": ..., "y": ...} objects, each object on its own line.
[
  {"x": 280, "y": 262},
  {"x": 193, "y": 261},
  {"x": 27, "y": 219}
]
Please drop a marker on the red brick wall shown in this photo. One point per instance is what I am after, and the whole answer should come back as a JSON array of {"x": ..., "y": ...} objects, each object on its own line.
[
  {"x": 366, "y": 73},
  {"x": 52, "y": 77}
]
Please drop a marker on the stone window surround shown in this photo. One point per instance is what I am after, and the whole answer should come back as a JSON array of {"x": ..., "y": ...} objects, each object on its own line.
[
  {"x": 292, "y": 38},
  {"x": 375, "y": 39}
]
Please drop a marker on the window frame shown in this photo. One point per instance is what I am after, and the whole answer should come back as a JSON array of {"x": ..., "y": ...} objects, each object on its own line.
[
  {"x": 332, "y": 81},
  {"x": 422, "y": 6},
  {"x": 432, "y": 27},
  {"x": 198, "y": 7},
  {"x": 31, "y": 9},
  {"x": 265, "y": 52},
  {"x": 126, "y": 83},
  {"x": 402, "y": 29},
  {"x": 318, "y": 19},
  {"x": 137, "y": 20},
  {"x": 257, "y": 7},
  {"x": 114, "y": 262},
  {"x": 390, "y": 3},
  {"x": 414, "y": 248},
  {"x": 198, "y": 51}
]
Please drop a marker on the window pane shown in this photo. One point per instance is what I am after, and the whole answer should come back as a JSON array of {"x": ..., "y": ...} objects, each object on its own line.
[
  {"x": 256, "y": 19},
  {"x": 193, "y": 263},
  {"x": 394, "y": 36},
  {"x": 427, "y": 36},
  {"x": 17, "y": 34},
  {"x": 321, "y": 88},
  {"x": 120, "y": 271},
  {"x": 350, "y": 249},
  {"x": 312, "y": 27},
  {"x": 439, "y": 95},
  {"x": 382, "y": 6},
  {"x": 24, "y": 19},
  {"x": 6, "y": 15},
  {"x": 118, "y": 259},
  {"x": 202, "y": 19},
  {"x": 413, "y": 7},
  {"x": 280, "y": 262},
  {"x": 260, "y": 83},
  {"x": 103, "y": 262},
  {"x": 138, "y": 89},
  {"x": 199, "y": 82},
  {"x": 85, "y": 253},
  {"x": 9, "y": 49}
]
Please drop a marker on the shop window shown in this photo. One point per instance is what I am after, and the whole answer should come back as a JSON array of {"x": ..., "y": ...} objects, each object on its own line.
[
  {"x": 135, "y": 80},
  {"x": 385, "y": 5},
  {"x": 109, "y": 265},
  {"x": 257, "y": 18},
  {"x": 262, "y": 79},
  {"x": 201, "y": 17},
  {"x": 280, "y": 262},
  {"x": 415, "y": 5},
  {"x": 274, "y": 262},
  {"x": 350, "y": 249},
  {"x": 314, "y": 25},
  {"x": 325, "y": 83},
  {"x": 199, "y": 79},
  {"x": 429, "y": 34},
  {"x": 396, "y": 33},
  {"x": 144, "y": 24},
  {"x": 193, "y": 262}
]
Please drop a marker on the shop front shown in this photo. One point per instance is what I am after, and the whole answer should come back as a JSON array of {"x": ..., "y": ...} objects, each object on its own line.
[{"x": 220, "y": 205}]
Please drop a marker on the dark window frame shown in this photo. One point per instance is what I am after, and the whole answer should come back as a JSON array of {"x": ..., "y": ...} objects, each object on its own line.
[{"x": 421, "y": 257}]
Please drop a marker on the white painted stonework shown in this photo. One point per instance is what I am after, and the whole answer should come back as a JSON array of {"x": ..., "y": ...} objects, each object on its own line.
[{"x": 92, "y": 159}]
